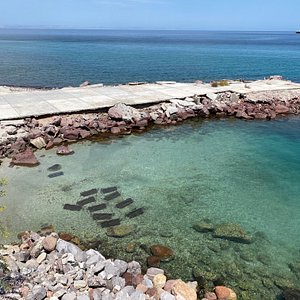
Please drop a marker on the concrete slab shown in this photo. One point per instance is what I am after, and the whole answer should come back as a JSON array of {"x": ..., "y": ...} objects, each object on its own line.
[
  {"x": 34, "y": 109},
  {"x": 18, "y": 103},
  {"x": 69, "y": 105},
  {"x": 7, "y": 112}
]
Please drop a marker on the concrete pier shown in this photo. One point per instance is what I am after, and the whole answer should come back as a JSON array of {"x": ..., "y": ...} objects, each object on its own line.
[{"x": 21, "y": 103}]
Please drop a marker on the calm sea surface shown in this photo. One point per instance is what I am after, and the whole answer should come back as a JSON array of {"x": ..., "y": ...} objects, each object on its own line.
[{"x": 65, "y": 57}]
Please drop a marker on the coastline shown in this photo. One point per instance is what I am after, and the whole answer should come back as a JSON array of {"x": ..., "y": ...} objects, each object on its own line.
[
  {"x": 27, "y": 135},
  {"x": 21, "y": 137},
  {"x": 47, "y": 265}
]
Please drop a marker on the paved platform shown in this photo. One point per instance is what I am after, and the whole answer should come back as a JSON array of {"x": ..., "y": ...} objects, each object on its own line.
[{"x": 34, "y": 103}]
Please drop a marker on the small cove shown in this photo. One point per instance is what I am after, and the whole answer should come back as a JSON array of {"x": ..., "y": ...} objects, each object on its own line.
[{"x": 222, "y": 170}]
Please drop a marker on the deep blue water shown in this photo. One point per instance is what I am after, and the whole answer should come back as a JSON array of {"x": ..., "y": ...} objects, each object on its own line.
[{"x": 67, "y": 57}]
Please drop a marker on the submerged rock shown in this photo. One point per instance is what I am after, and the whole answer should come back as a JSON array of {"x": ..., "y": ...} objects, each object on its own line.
[
  {"x": 203, "y": 227},
  {"x": 162, "y": 252},
  {"x": 291, "y": 294},
  {"x": 26, "y": 159},
  {"x": 64, "y": 150},
  {"x": 120, "y": 231},
  {"x": 153, "y": 261},
  {"x": 224, "y": 292},
  {"x": 232, "y": 232}
]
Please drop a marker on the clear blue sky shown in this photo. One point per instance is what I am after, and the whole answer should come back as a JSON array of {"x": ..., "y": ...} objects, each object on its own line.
[{"x": 152, "y": 14}]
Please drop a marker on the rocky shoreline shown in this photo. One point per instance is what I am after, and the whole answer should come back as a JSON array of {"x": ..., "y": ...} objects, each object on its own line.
[
  {"x": 19, "y": 138},
  {"x": 35, "y": 271},
  {"x": 45, "y": 266}
]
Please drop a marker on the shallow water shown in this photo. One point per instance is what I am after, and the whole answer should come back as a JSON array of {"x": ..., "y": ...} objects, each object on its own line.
[{"x": 222, "y": 170}]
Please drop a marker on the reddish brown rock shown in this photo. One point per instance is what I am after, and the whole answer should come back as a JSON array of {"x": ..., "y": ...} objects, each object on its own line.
[
  {"x": 47, "y": 229},
  {"x": 57, "y": 141},
  {"x": 210, "y": 296},
  {"x": 66, "y": 236},
  {"x": 153, "y": 261},
  {"x": 64, "y": 122},
  {"x": 141, "y": 123},
  {"x": 169, "y": 285},
  {"x": 115, "y": 130},
  {"x": 163, "y": 252},
  {"x": 34, "y": 133},
  {"x": 152, "y": 293},
  {"x": 64, "y": 150},
  {"x": 56, "y": 121},
  {"x": 242, "y": 115},
  {"x": 84, "y": 133},
  {"x": 49, "y": 145},
  {"x": 25, "y": 158},
  {"x": 18, "y": 146},
  {"x": 141, "y": 287},
  {"x": 281, "y": 109},
  {"x": 128, "y": 278},
  {"x": 49, "y": 243},
  {"x": 159, "y": 121},
  {"x": 136, "y": 280},
  {"x": 70, "y": 134},
  {"x": 260, "y": 116},
  {"x": 222, "y": 292}
]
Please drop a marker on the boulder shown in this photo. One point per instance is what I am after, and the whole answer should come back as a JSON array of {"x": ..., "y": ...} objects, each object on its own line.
[
  {"x": 224, "y": 292},
  {"x": 71, "y": 134},
  {"x": 232, "y": 232},
  {"x": 241, "y": 114},
  {"x": 204, "y": 227},
  {"x": 159, "y": 281},
  {"x": 64, "y": 150},
  {"x": 26, "y": 159},
  {"x": 212, "y": 96},
  {"x": 124, "y": 112},
  {"x": 120, "y": 231},
  {"x": 281, "y": 109},
  {"x": 11, "y": 129},
  {"x": 66, "y": 247},
  {"x": 164, "y": 253},
  {"x": 49, "y": 243},
  {"x": 171, "y": 110},
  {"x": 183, "y": 290},
  {"x": 153, "y": 261},
  {"x": 115, "y": 130}
]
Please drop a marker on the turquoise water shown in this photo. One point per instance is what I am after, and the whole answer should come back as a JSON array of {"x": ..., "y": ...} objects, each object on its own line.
[
  {"x": 68, "y": 57},
  {"x": 247, "y": 173}
]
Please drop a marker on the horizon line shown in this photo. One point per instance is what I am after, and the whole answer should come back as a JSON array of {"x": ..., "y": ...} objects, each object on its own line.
[{"x": 136, "y": 29}]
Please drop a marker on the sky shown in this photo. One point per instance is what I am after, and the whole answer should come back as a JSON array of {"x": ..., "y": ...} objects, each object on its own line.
[{"x": 152, "y": 14}]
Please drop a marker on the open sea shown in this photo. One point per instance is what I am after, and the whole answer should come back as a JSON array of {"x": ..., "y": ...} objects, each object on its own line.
[
  {"x": 246, "y": 173},
  {"x": 56, "y": 58}
]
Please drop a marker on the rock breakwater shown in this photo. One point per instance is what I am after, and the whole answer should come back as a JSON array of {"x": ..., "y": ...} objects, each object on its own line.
[{"x": 17, "y": 136}]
